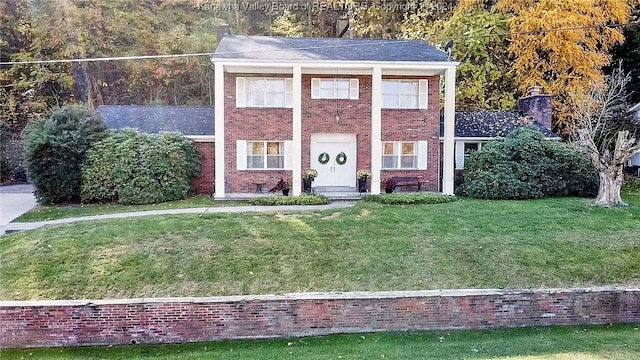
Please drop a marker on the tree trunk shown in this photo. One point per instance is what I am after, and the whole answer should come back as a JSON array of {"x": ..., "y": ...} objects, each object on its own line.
[{"x": 610, "y": 183}]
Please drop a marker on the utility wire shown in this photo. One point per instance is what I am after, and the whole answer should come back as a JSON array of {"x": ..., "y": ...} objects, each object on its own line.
[{"x": 386, "y": 42}]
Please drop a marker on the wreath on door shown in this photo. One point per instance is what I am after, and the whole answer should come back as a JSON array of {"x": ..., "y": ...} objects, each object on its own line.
[
  {"x": 323, "y": 158},
  {"x": 341, "y": 158}
]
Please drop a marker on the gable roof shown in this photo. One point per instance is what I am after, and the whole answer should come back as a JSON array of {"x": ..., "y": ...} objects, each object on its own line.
[
  {"x": 332, "y": 49},
  {"x": 188, "y": 120},
  {"x": 492, "y": 124}
]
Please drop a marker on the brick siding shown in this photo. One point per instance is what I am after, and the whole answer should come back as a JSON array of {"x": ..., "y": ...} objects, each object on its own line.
[
  {"x": 318, "y": 116},
  {"x": 203, "y": 184},
  {"x": 177, "y": 320}
]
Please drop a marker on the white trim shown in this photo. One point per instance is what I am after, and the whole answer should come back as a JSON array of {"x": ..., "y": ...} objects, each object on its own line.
[
  {"x": 201, "y": 138},
  {"x": 288, "y": 155},
  {"x": 417, "y": 65},
  {"x": 315, "y": 88},
  {"x": 297, "y": 131},
  {"x": 423, "y": 94},
  {"x": 422, "y": 152},
  {"x": 241, "y": 155},
  {"x": 219, "y": 131},
  {"x": 448, "y": 161},
  {"x": 354, "y": 89},
  {"x": 376, "y": 129},
  {"x": 241, "y": 93},
  {"x": 288, "y": 93}
]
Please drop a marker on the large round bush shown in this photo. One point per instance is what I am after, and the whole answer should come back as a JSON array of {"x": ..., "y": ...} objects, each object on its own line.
[
  {"x": 129, "y": 167},
  {"x": 525, "y": 166},
  {"x": 56, "y": 149}
]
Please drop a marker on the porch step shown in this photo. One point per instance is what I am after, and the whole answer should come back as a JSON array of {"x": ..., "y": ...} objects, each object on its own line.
[{"x": 335, "y": 189}]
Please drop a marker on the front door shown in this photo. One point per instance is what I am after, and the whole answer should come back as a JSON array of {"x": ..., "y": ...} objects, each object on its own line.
[{"x": 334, "y": 156}]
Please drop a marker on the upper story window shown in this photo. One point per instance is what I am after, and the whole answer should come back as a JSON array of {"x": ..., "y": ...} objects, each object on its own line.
[
  {"x": 322, "y": 88},
  {"x": 404, "y": 94},
  {"x": 264, "y": 92}
]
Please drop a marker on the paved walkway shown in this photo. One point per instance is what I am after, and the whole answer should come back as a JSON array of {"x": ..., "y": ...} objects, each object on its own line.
[
  {"x": 19, "y": 226},
  {"x": 15, "y": 200}
]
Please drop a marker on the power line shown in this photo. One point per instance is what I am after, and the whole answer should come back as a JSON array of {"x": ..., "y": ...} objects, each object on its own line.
[{"x": 386, "y": 42}]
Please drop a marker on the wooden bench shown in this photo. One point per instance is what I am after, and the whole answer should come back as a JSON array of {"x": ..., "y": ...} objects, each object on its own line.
[{"x": 406, "y": 181}]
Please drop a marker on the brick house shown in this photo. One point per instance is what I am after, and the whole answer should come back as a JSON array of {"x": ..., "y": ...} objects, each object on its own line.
[{"x": 284, "y": 105}]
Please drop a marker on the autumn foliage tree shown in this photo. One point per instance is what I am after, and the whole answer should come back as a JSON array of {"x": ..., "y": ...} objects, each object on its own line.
[{"x": 563, "y": 62}]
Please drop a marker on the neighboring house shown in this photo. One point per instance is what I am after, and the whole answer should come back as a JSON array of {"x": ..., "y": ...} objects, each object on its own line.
[
  {"x": 475, "y": 128},
  {"x": 195, "y": 122},
  {"x": 284, "y": 105},
  {"x": 634, "y": 160}
]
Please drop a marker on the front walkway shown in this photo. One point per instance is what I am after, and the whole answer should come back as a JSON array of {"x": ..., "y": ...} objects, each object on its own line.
[
  {"x": 19, "y": 226},
  {"x": 15, "y": 200}
]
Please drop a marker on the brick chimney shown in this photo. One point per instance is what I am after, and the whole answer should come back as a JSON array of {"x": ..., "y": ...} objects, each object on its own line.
[
  {"x": 222, "y": 31},
  {"x": 537, "y": 106}
]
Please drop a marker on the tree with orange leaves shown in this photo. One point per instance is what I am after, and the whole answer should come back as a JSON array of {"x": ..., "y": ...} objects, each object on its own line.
[{"x": 565, "y": 63}]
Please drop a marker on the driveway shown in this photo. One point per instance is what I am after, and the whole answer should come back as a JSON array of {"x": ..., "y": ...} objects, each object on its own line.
[{"x": 15, "y": 200}]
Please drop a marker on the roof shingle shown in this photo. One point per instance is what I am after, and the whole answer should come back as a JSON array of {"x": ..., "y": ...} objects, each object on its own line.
[
  {"x": 188, "y": 120},
  {"x": 492, "y": 124},
  {"x": 319, "y": 49}
]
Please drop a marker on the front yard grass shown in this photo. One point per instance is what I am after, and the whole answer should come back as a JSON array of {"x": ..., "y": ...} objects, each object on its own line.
[
  {"x": 560, "y": 242},
  {"x": 44, "y": 212},
  {"x": 618, "y": 342}
]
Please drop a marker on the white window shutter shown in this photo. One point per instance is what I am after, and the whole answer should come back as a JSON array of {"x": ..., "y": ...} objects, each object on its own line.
[
  {"x": 240, "y": 92},
  {"x": 241, "y": 155},
  {"x": 423, "y": 96},
  {"x": 422, "y": 155},
  {"x": 354, "y": 89},
  {"x": 459, "y": 154},
  {"x": 288, "y": 155},
  {"x": 315, "y": 88},
  {"x": 288, "y": 93}
]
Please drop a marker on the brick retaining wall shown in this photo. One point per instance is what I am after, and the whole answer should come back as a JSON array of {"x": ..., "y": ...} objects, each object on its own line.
[{"x": 72, "y": 323}]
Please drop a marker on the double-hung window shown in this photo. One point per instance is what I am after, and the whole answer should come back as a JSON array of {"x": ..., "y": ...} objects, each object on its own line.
[
  {"x": 404, "y": 155},
  {"x": 265, "y": 155},
  {"x": 404, "y": 94},
  {"x": 264, "y": 92},
  {"x": 326, "y": 88}
]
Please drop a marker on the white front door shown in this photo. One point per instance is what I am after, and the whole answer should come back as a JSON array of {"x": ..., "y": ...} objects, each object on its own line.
[{"x": 334, "y": 156}]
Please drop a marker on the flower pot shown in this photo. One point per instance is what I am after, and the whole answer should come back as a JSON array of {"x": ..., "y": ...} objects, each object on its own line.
[
  {"x": 388, "y": 191},
  {"x": 362, "y": 185},
  {"x": 285, "y": 192},
  {"x": 306, "y": 183}
]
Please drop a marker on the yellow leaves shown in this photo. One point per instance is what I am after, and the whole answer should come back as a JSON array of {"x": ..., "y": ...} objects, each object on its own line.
[{"x": 563, "y": 62}]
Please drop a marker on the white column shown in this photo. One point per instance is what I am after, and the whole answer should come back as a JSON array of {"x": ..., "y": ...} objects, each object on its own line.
[
  {"x": 297, "y": 130},
  {"x": 449, "y": 130},
  {"x": 219, "y": 131},
  {"x": 376, "y": 129}
]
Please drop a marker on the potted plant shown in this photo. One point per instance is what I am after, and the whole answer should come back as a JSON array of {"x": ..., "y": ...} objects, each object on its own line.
[
  {"x": 307, "y": 178},
  {"x": 286, "y": 186},
  {"x": 389, "y": 185},
  {"x": 283, "y": 185},
  {"x": 363, "y": 175}
]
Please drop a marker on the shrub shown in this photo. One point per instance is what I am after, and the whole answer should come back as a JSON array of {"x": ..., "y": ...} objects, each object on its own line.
[
  {"x": 631, "y": 184},
  {"x": 290, "y": 200},
  {"x": 129, "y": 167},
  {"x": 403, "y": 199},
  {"x": 56, "y": 150},
  {"x": 11, "y": 156},
  {"x": 524, "y": 166}
]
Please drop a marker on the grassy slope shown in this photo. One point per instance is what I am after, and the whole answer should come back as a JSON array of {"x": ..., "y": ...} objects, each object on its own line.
[
  {"x": 465, "y": 244},
  {"x": 43, "y": 212},
  {"x": 586, "y": 343}
]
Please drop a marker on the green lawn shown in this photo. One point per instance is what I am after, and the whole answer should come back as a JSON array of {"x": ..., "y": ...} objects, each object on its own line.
[
  {"x": 569, "y": 343},
  {"x": 43, "y": 212},
  {"x": 464, "y": 244}
]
